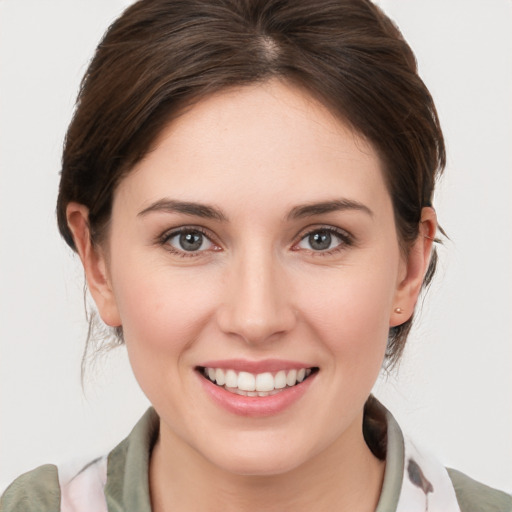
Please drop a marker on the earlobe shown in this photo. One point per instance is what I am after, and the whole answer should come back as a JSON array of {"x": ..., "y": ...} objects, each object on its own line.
[
  {"x": 418, "y": 259},
  {"x": 94, "y": 262}
]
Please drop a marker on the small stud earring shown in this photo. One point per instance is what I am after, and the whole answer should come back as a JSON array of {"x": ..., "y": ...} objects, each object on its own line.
[{"x": 399, "y": 311}]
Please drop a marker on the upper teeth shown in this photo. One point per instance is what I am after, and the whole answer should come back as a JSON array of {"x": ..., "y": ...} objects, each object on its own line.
[{"x": 260, "y": 382}]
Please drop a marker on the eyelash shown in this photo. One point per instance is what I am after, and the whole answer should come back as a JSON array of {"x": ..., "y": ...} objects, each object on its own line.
[
  {"x": 345, "y": 238},
  {"x": 163, "y": 240}
]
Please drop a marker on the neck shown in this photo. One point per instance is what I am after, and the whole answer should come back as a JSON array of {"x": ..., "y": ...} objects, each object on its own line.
[{"x": 344, "y": 477}]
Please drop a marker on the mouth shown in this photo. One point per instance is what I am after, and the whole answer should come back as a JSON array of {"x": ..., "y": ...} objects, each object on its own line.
[{"x": 249, "y": 384}]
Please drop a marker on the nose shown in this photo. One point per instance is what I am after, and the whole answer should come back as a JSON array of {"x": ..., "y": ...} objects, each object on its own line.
[{"x": 257, "y": 304}]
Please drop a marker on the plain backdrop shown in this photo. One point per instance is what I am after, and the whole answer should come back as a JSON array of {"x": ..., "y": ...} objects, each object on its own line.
[{"x": 453, "y": 391}]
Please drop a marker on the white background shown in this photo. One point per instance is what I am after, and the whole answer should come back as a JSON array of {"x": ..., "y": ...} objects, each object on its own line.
[{"x": 454, "y": 388}]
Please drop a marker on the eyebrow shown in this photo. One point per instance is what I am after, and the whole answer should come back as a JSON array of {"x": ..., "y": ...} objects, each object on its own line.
[
  {"x": 309, "y": 210},
  {"x": 210, "y": 212},
  {"x": 186, "y": 207}
]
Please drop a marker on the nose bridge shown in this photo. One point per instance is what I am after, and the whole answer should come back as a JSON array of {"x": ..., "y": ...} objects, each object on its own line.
[{"x": 257, "y": 303}]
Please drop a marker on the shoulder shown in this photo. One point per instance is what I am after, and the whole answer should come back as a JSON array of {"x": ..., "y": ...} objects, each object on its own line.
[
  {"x": 52, "y": 488},
  {"x": 474, "y": 496},
  {"x": 35, "y": 491},
  {"x": 118, "y": 479}
]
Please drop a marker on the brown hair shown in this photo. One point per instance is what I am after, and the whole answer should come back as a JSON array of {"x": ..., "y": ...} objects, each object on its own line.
[{"x": 162, "y": 55}]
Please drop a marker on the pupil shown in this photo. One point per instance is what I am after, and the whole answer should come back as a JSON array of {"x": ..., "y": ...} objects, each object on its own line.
[
  {"x": 320, "y": 240},
  {"x": 191, "y": 241}
]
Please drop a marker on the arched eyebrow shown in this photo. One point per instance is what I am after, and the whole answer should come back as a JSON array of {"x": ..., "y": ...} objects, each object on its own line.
[
  {"x": 311, "y": 209},
  {"x": 210, "y": 212},
  {"x": 185, "y": 207}
]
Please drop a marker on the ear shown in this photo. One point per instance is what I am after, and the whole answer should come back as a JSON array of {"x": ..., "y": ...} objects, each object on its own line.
[
  {"x": 95, "y": 264},
  {"x": 414, "y": 269}
]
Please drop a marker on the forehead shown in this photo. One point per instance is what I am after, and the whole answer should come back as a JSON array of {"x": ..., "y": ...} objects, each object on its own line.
[{"x": 267, "y": 141}]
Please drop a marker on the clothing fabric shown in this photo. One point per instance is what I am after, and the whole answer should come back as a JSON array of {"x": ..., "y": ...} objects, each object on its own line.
[{"x": 413, "y": 481}]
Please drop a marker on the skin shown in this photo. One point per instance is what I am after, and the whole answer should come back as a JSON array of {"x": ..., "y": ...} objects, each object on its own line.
[{"x": 257, "y": 289}]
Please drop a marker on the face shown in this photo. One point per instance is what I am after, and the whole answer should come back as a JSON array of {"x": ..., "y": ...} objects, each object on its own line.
[{"x": 255, "y": 246}]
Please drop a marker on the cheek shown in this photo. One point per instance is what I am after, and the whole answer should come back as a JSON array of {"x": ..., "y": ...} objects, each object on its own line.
[
  {"x": 162, "y": 310},
  {"x": 351, "y": 314},
  {"x": 163, "y": 313}
]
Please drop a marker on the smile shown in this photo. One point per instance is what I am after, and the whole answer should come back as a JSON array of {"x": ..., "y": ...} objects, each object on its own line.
[{"x": 256, "y": 385}]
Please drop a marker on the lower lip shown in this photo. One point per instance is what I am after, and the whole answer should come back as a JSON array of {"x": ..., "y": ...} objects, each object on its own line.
[{"x": 256, "y": 406}]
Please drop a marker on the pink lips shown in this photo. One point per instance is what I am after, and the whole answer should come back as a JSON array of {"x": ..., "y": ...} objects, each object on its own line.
[{"x": 255, "y": 406}]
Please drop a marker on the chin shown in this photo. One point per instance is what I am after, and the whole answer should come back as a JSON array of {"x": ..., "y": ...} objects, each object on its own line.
[
  {"x": 251, "y": 458},
  {"x": 259, "y": 465}
]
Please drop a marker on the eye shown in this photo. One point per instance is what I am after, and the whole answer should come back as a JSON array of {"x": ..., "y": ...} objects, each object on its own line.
[
  {"x": 188, "y": 240},
  {"x": 324, "y": 240}
]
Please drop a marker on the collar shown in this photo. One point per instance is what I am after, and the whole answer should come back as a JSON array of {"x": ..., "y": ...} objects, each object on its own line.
[{"x": 413, "y": 480}]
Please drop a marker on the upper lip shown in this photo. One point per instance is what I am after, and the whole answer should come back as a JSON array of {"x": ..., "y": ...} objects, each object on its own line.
[{"x": 265, "y": 365}]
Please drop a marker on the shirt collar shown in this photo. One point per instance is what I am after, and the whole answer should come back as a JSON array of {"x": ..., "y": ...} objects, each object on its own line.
[{"x": 127, "y": 487}]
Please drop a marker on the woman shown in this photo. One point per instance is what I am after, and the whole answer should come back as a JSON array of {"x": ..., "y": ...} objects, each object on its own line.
[{"x": 249, "y": 188}]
